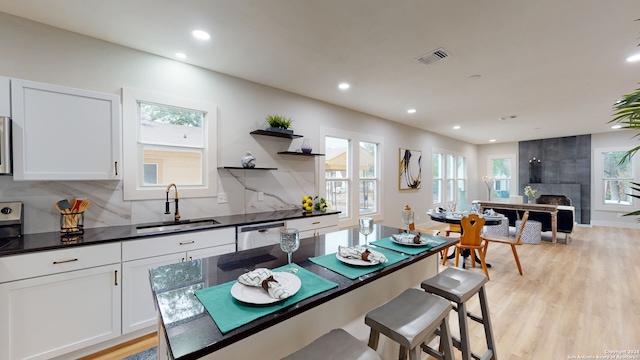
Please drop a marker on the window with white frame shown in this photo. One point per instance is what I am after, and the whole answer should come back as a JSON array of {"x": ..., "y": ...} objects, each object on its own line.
[
  {"x": 167, "y": 140},
  {"x": 613, "y": 179},
  {"x": 352, "y": 174},
  {"x": 337, "y": 173},
  {"x": 438, "y": 178},
  {"x": 369, "y": 178},
  {"x": 500, "y": 168},
  {"x": 449, "y": 177}
]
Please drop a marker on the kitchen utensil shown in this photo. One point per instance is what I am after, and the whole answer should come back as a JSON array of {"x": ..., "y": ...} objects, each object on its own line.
[
  {"x": 63, "y": 206},
  {"x": 76, "y": 206},
  {"x": 84, "y": 205}
]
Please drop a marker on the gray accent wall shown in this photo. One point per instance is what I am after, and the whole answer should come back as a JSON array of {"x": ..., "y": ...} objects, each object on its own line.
[{"x": 565, "y": 168}]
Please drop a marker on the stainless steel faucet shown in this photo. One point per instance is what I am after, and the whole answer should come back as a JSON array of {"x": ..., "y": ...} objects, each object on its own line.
[{"x": 166, "y": 210}]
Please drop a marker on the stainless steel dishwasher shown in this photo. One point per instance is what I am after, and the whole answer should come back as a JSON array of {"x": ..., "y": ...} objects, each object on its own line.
[{"x": 256, "y": 235}]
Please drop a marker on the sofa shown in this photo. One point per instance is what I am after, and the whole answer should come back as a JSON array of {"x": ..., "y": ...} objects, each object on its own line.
[{"x": 565, "y": 218}]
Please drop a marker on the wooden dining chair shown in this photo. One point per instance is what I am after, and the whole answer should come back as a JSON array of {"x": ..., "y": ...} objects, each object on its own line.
[
  {"x": 471, "y": 240},
  {"x": 513, "y": 241}
]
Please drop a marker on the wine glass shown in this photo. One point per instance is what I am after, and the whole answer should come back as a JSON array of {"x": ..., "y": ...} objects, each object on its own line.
[
  {"x": 366, "y": 228},
  {"x": 289, "y": 242},
  {"x": 407, "y": 218}
]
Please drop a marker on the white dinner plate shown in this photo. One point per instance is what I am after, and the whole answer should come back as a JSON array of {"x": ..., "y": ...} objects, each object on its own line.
[
  {"x": 359, "y": 262},
  {"x": 423, "y": 242},
  {"x": 259, "y": 296},
  {"x": 487, "y": 217},
  {"x": 454, "y": 217}
]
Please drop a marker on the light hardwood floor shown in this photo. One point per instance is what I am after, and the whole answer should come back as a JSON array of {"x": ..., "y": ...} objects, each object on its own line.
[
  {"x": 573, "y": 300},
  {"x": 576, "y": 299}
]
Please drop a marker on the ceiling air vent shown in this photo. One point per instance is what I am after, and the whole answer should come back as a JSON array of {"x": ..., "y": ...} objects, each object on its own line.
[{"x": 433, "y": 56}]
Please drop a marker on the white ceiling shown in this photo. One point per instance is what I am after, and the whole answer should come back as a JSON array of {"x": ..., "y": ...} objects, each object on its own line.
[{"x": 557, "y": 64}]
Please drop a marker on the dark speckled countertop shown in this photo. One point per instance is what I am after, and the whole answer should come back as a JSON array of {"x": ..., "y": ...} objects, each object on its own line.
[
  {"x": 189, "y": 330},
  {"x": 54, "y": 240}
]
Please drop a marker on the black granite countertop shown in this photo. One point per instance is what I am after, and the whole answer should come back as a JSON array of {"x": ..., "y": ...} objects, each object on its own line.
[
  {"x": 191, "y": 333},
  {"x": 55, "y": 240}
]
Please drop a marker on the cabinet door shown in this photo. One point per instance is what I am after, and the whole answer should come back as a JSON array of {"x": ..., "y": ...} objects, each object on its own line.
[
  {"x": 5, "y": 97},
  {"x": 52, "y": 315},
  {"x": 138, "y": 307},
  {"x": 315, "y": 225},
  {"x": 62, "y": 133}
]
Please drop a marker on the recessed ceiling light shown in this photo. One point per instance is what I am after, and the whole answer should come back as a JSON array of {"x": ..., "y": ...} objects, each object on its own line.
[
  {"x": 344, "y": 86},
  {"x": 411, "y": 111},
  {"x": 456, "y": 127},
  {"x": 616, "y": 126},
  {"x": 202, "y": 35},
  {"x": 180, "y": 55},
  {"x": 633, "y": 58},
  {"x": 492, "y": 140}
]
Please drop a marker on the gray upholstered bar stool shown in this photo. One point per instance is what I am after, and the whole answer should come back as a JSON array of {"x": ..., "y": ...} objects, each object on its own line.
[
  {"x": 411, "y": 319},
  {"x": 335, "y": 345},
  {"x": 459, "y": 285}
]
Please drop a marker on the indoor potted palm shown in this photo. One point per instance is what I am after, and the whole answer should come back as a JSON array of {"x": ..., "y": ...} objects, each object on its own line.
[{"x": 627, "y": 114}]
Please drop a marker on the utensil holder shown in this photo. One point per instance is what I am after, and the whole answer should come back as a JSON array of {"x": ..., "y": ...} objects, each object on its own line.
[{"x": 72, "y": 223}]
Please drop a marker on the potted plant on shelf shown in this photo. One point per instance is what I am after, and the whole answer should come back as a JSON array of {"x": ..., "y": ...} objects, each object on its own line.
[{"x": 279, "y": 123}]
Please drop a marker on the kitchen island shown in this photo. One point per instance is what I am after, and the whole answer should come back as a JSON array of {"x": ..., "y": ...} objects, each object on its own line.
[{"x": 187, "y": 331}]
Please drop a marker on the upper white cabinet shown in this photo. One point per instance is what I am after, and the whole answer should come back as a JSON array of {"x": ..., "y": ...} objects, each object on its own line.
[
  {"x": 5, "y": 98},
  {"x": 62, "y": 133}
]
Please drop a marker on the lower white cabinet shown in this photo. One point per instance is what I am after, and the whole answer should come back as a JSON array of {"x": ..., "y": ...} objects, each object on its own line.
[
  {"x": 138, "y": 307},
  {"x": 51, "y": 315},
  {"x": 314, "y": 225}
]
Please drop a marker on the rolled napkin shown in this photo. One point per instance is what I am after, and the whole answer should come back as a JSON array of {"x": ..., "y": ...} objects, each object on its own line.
[
  {"x": 262, "y": 277},
  {"x": 407, "y": 238},
  {"x": 361, "y": 253}
]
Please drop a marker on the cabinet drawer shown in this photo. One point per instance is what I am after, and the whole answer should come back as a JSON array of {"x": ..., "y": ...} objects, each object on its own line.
[
  {"x": 57, "y": 261},
  {"x": 162, "y": 245},
  {"x": 314, "y": 222}
]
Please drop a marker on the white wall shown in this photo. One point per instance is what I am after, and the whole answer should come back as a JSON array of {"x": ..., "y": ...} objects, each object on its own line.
[{"x": 41, "y": 53}]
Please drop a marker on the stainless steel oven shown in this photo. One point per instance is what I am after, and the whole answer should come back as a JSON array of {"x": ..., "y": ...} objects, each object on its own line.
[{"x": 5, "y": 145}]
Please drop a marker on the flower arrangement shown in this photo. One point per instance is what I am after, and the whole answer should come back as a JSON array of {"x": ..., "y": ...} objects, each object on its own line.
[
  {"x": 310, "y": 203},
  {"x": 488, "y": 181},
  {"x": 531, "y": 193}
]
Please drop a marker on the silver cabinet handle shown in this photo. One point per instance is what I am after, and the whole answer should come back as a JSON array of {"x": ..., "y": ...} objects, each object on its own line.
[
  {"x": 64, "y": 261},
  {"x": 186, "y": 242}
]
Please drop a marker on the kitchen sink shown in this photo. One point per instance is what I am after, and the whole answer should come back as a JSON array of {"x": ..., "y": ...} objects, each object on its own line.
[{"x": 173, "y": 226}]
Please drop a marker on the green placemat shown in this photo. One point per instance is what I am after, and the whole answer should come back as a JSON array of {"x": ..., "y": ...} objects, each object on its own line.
[
  {"x": 411, "y": 250},
  {"x": 353, "y": 272},
  {"x": 228, "y": 313}
]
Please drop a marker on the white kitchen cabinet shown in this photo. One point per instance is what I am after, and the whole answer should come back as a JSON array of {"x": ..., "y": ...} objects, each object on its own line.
[
  {"x": 314, "y": 225},
  {"x": 138, "y": 309},
  {"x": 5, "y": 96},
  {"x": 62, "y": 309},
  {"x": 63, "y": 133}
]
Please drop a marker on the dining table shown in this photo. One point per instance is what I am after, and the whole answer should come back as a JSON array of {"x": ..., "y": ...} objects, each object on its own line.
[
  {"x": 455, "y": 218},
  {"x": 205, "y": 313}
]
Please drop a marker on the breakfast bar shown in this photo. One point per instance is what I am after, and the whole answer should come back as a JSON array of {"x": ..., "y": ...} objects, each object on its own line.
[{"x": 186, "y": 329}]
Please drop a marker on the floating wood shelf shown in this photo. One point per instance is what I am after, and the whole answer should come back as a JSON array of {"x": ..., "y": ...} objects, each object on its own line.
[
  {"x": 298, "y": 153},
  {"x": 243, "y": 168},
  {"x": 275, "y": 134}
]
